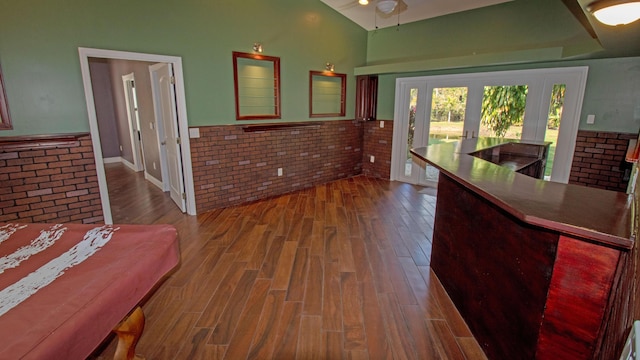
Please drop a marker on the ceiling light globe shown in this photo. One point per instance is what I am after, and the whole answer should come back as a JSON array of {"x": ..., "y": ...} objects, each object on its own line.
[
  {"x": 615, "y": 12},
  {"x": 387, "y": 6}
]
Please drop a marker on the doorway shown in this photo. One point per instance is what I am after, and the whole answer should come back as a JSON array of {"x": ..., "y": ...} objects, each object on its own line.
[
  {"x": 535, "y": 105},
  {"x": 181, "y": 114}
]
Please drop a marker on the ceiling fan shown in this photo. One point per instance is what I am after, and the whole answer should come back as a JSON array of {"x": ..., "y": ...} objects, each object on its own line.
[{"x": 382, "y": 7}]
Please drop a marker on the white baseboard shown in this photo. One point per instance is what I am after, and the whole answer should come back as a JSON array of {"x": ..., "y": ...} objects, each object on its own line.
[
  {"x": 153, "y": 180},
  {"x": 129, "y": 165},
  {"x": 112, "y": 160}
]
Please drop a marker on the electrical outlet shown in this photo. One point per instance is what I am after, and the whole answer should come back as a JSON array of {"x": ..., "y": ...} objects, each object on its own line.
[
  {"x": 372, "y": 159},
  {"x": 381, "y": 124},
  {"x": 279, "y": 171},
  {"x": 120, "y": 148},
  {"x": 591, "y": 119},
  {"x": 154, "y": 165}
]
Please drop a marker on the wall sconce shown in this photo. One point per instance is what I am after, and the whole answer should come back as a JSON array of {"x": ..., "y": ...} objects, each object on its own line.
[
  {"x": 363, "y": 2},
  {"x": 257, "y": 47},
  {"x": 330, "y": 67},
  {"x": 615, "y": 12}
]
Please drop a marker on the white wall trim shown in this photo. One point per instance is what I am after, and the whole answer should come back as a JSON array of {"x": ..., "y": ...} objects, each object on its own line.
[
  {"x": 130, "y": 165},
  {"x": 183, "y": 125},
  {"x": 112, "y": 160},
  {"x": 153, "y": 180}
]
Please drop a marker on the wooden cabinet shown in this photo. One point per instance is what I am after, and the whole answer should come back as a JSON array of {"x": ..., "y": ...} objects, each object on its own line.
[{"x": 366, "y": 97}]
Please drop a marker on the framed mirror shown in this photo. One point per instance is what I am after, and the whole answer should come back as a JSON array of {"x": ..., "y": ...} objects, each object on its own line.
[
  {"x": 257, "y": 86},
  {"x": 327, "y": 94},
  {"x": 5, "y": 119}
]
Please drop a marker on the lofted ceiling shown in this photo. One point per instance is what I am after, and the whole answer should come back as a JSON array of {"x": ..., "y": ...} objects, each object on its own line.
[
  {"x": 370, "y": 18},
  {"x": 616, "y": 41}
]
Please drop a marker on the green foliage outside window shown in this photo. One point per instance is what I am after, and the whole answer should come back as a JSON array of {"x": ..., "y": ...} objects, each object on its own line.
[{"x": 503, "y": 106}]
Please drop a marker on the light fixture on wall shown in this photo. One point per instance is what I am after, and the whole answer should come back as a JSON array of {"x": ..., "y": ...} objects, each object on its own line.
[
  {"x": 330, "y": 67},
  {"x": 363, "y": 2},
  {"x": 615, "y": 12},
  {"x": 387, "y": 6},
  {"x": 257, "y": 47}
]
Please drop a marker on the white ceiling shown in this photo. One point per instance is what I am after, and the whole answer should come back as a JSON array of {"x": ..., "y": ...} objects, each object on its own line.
[{"x": 406, "y": 11}]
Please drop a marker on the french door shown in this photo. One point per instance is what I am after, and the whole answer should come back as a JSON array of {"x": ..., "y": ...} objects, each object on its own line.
[{"x": 435, "y": 109}]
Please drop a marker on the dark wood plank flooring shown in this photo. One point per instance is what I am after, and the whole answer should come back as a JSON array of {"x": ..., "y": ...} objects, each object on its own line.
[{"x": 337, "y": 271}]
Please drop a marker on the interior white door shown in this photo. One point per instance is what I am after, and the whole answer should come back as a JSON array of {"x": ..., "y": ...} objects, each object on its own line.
[{"x": 167, "y": 124}]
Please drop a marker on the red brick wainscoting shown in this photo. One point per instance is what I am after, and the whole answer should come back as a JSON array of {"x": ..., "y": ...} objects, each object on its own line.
[
  {"x": 598, "y": 160},
  {"x": 49, "y": 179},
  {"x": 233, "y": 166},
  {"x": 377, "y": 143}
]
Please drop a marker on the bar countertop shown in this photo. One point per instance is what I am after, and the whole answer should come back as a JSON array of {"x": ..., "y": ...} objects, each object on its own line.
[{"x": 593, "y": 214}]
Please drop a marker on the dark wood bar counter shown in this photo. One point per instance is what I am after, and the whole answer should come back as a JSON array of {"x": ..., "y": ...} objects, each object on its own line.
[{"x": 539, "y": 270}]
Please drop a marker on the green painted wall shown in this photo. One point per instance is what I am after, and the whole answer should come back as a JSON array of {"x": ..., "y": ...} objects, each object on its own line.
[
  {"x": 522, "y": 34},
  {"x": 491, "y": 34},
  {"x": 612, "y": 92},
  {"x": 39, "y": 42}
]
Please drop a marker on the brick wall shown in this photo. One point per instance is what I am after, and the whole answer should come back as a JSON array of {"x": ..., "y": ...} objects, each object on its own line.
[
  {"x": 49, "y": 181},
  {"x": 598, "y": 160},
  {"x": 377, "y": 142},
  {"x": 231, "y": 166}
]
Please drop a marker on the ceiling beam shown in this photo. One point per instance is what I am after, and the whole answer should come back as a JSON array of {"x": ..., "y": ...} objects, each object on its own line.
[{"x": 576, "y": 9}]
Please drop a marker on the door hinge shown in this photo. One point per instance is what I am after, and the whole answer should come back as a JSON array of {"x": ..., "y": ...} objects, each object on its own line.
[
  {"x": 178, "y": 141},
  {"x": 184, "y": 196},
  {"x": 173, "y": 80}
]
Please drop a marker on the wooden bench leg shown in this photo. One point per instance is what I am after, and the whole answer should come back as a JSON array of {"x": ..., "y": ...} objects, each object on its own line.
[{"x": 129, "y": 331}]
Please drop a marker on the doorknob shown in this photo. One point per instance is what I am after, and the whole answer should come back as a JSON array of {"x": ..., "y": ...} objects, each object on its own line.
[{"x": 163, "y": 142}]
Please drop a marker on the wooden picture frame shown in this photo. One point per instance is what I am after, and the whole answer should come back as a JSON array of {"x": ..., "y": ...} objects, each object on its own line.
[
  {"x": 327, "y": 94},
  {"x": 5, "y": 117},
  {"x": 256, "y": 81}
]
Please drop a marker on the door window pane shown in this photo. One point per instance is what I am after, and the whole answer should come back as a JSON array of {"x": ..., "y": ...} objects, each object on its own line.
[
  {"x": 413, "y": 102},
  {"x": 503, "y": 111},
  {"x": 553, "y": 124},
  {"x": 448, "y": 107}
]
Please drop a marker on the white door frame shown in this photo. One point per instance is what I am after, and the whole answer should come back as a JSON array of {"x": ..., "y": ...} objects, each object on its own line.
[
  {"x": 542, "y": 80},
  {"x": 183, "y": 126},
  {"x": 134, "y": 128},
  {"x": 401, "y": 128}
]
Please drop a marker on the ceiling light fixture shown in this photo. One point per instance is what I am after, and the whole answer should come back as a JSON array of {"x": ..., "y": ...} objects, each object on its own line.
[
  {"x": 363, "y": 2},
  {"x": 387, "y": 6},
  {"x": 615, "y": 12}
]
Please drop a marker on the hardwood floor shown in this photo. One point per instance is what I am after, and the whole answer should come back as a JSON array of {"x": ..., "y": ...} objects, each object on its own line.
[{"x": 338, "y": 271}]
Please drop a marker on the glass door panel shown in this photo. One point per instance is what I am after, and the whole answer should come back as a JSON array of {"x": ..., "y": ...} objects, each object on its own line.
[
  {"x": 556, "y": 106},
  {"x": 446, "y": 123},
  {"x": 411, "y": 130},
  {"x": 503, "y": 110},
  {"x": 532, "y": 105},
  {"x": 448, "y": 107}
]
